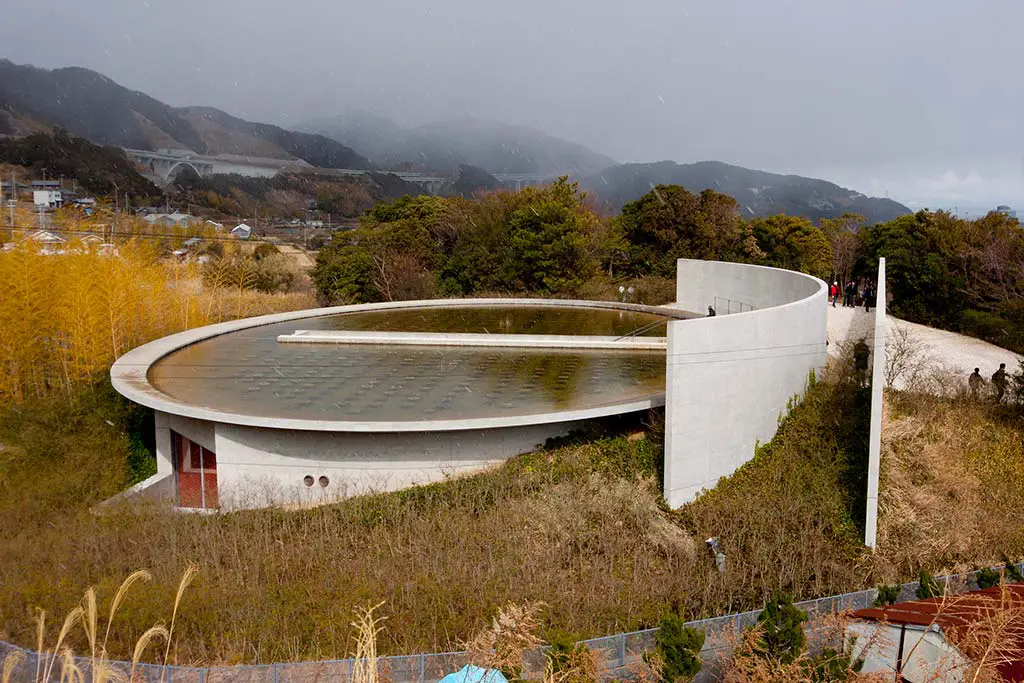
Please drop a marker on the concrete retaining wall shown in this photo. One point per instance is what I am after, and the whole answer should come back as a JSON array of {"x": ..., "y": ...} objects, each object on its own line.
[
  {"x": 731, "y": 377},
  {"x": 260, "y": 467}
]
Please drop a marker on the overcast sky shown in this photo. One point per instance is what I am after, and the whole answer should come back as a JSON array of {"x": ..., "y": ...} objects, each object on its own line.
[{"x": 923, "y": 99}]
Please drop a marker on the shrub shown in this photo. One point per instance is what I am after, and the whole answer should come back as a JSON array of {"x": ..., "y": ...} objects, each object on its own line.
[
  {"x": 678, "y": 647},
  {"x": 928, "y": 587},
  {"x": 782, "y": 631},
  {"x": 987, "y": 578},
  {"x": 887, "y": 595},
  {"x": 264, "y": 250},
  {"x": 567, "y": 660},
  {"x": 1012, "y": 572},
  {"x": 832, "y": 665}
]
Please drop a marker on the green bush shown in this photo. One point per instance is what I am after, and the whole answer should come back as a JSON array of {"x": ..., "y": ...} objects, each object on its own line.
[
  {"x": 782, "y": 631},
  {"x": 887, "y": 595},
  {"x": 832, "y": 666},
  {"x": 562, "y": 653},
  {"x": 988, "y": 578},
  {"x": 679, "y": 646},
  {"x": 1012, "y": 572},
  {"x": 929, "y": 587}
]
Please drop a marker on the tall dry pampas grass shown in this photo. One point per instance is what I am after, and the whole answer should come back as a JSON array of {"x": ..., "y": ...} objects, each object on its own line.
[
  {"x": 97, "y": 667},
  {"x": 512, "y": 632}
]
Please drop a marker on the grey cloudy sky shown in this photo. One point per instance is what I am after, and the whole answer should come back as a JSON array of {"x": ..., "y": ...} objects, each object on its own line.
[{"x": 923, "y": 99}]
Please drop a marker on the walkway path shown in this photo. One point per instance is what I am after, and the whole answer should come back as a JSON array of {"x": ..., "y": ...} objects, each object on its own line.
[{"x": 955, "y": 353}]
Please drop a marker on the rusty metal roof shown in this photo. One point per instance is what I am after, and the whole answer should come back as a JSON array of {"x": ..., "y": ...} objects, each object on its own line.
[{"x": 949, "y": 612}]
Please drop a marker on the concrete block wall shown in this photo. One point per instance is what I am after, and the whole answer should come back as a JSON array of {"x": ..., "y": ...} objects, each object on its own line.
[{"x": 729, "y": 378}]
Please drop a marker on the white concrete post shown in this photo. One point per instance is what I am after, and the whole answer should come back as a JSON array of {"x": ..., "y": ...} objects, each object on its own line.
[{"x": 877, "y": 395}]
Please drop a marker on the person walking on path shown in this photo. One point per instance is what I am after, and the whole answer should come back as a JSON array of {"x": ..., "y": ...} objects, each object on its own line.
[
  {"x": 869, "y": 297},
  {"x": 975, "y": 381},
  {"x": 999, "y": 382},
  {"x": 833, "y": 293}
]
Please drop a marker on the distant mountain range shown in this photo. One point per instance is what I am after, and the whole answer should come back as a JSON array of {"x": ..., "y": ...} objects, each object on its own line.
[
  {"x": 90, "y": 105},
  {"x": 759, "y": 193},
  {"x": 443, "y": 146}
]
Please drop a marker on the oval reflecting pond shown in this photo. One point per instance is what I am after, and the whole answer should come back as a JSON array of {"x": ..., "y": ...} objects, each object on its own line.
[{"x": 250, "y": 372}]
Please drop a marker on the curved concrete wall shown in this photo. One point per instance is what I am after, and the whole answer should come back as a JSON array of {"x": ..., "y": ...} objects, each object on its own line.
[{"x": 729, "y": 378}]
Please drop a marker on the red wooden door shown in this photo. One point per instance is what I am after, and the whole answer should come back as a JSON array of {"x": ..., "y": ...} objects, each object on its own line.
[{"x": 196, "y": 470}]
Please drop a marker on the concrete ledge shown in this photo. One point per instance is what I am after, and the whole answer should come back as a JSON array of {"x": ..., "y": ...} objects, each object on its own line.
[{"x": 528, "y": 341}]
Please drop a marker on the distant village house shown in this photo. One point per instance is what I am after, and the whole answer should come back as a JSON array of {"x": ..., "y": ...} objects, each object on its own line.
[{"x": 241, "y": 231}]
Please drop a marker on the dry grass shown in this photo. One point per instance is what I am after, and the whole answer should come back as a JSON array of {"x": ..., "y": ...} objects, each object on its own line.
[
  {"x": 581, "y": 528},
  {"x": 96, "y": 666},
  {"x": 367, "y": 629},
  {"x": 512, "y": 632},
  {"x": 952, "y": 484}
]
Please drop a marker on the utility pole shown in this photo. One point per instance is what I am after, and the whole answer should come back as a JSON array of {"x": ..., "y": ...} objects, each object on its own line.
[{"x": 113, "y": 223}]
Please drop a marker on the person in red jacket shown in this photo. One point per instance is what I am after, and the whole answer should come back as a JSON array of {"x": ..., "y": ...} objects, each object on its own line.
[{"x": 833, "y": 293}]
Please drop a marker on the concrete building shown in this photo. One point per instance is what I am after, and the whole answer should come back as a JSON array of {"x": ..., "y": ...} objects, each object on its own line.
[
  {"x": 1006, "y": 211},
  {"x": 50, "y": 199},
  {"x": 257, "y": 412},
  {"x": 309, "y": 406}
]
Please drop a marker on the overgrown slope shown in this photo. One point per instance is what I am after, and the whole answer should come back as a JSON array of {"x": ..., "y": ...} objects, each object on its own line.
[{"x": 580, "y": 527}]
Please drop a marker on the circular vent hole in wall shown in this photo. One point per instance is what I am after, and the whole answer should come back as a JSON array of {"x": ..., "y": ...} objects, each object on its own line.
[
  {"x": 308, "y": 480},
  {"x": 324, "y": 481}
]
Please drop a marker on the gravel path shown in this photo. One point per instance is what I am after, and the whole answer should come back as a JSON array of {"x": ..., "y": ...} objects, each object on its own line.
[{"x": 953, "y": 353}]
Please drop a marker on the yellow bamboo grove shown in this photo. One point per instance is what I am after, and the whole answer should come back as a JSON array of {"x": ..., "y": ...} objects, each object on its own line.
[{"x": 67, "y": 314}]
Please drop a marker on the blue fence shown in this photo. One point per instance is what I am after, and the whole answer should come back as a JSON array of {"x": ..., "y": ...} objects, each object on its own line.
[{"x": 616, "y": 652}]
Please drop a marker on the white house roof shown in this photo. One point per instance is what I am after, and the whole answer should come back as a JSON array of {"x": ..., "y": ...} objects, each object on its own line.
[
  {"x": 241, "y": 227},
  {"x": 46, "y": 236}
]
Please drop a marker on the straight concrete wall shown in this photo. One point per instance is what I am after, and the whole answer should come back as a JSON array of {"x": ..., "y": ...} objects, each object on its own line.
[
  {"x": 731, "y": 377},
  {"x": 878, "y": 359}
]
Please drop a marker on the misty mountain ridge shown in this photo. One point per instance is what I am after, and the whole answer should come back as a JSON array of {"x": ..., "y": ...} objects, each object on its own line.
[
  {"x": 759, "y": 193},
  {"x": 443, "y": 146},
  {"x": 90, "y": 105}
]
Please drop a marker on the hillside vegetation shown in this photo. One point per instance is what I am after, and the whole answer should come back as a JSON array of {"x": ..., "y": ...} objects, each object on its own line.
[
  {"x": 96, "y": 169},
  {"x": 952, "y": 483},
  {"x": 957, "y": 274},
  {"x": 580, "y": 527},
  {"x": 758, "y": 193}
]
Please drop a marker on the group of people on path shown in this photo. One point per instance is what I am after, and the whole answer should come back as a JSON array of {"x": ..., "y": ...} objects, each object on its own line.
[
  {"x": 851, "y": 292},
  {"x": 1000, "y": 381}
]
